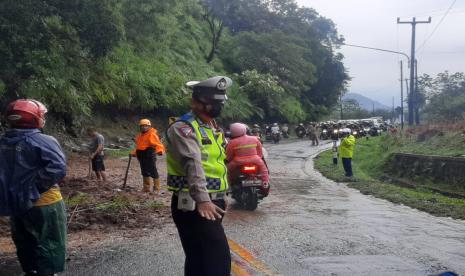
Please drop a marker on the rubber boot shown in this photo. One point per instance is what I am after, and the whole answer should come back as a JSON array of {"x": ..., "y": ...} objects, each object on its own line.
[
  {"x": 147, "y": 184},
  {"x": 156, "y": 185}
]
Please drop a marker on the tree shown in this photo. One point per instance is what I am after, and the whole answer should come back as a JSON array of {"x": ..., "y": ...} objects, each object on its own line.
[
  {"x": 445, "y": 96},
  {"x": 215, "y": 14},
  {"x": 82, "y": 56}
]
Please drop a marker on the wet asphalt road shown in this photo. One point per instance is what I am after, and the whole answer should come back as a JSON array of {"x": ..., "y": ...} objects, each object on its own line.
[{"x": 307, "y": 226}]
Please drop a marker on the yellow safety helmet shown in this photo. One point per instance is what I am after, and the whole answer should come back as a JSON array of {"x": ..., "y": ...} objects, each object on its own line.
[{"x": 145, "y": 122}]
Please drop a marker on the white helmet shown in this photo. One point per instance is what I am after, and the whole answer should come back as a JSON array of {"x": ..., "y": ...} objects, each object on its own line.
[{"x": 346, "y": 130}]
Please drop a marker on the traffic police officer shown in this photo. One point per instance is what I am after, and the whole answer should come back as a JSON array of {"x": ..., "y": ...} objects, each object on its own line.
[
  {"x": 197, "y": 175},
  {"x": 347, "y": 151}
]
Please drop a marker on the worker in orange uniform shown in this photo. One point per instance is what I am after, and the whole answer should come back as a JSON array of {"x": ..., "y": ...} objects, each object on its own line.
[{"x": 148, "y": 146}]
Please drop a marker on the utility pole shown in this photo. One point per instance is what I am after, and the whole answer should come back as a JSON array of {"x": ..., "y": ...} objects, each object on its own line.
[
  {"x": 401, "y": 96},
  {"x": 412, "y": 94},
  {"x": 407, "y": 88},
  {"x": 392, "y": 112},
  {"x": 416, "y": 101},
  {"x": 340, "y": 102}
]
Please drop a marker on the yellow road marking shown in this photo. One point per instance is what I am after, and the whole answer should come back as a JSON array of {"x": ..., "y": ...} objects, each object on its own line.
[
  {"x": 249, "y": 258},
  {"x": 237, "y": 270}
]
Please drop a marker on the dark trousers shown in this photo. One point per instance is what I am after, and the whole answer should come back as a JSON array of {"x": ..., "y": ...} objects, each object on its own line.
[
  {"x": 40, "y": 239},
  {"x": 97, "y": 163},
  {"x": 204, "y": 242},
  {"x": 347, "y": 163},
  {"x": 148, "y": 162}
]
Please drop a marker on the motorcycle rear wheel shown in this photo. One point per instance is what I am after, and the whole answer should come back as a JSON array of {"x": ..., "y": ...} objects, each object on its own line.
[{"x": 250, "y": 199}]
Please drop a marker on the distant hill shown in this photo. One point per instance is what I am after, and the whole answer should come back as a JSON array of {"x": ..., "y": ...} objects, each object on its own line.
[{"x": 365, "y": 102}]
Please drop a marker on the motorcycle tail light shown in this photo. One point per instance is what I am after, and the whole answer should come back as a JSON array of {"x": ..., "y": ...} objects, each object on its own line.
[{"x": 249, "y": 169}]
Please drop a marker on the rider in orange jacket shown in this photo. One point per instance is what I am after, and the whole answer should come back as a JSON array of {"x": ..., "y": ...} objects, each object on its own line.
[{"x": 244, "y": 149}]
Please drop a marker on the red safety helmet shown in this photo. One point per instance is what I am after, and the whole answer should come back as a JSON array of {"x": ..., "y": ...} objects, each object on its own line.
[{"x": 26, "y": 113}]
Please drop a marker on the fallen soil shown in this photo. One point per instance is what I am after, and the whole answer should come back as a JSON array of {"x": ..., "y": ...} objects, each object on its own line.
[{"x": 102, "y": 212}]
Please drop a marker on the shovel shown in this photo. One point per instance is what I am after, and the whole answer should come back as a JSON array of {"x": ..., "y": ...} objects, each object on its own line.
[
  {"x": 127, "y": 171},
  {"x": 89, "y": 175}
]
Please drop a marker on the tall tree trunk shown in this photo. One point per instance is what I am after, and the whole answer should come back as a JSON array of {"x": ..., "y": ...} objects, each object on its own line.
[{"x": 216, "y": 29}]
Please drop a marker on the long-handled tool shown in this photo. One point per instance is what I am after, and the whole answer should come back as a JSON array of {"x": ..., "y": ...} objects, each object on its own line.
[
  {"x": 89, "y": 175},
  {"x": 127, "y": 171}
]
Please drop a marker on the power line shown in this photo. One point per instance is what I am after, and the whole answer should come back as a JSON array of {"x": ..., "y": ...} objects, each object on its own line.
[
  {"x": 435, "y": 12},
  {"x": 437, "y": 26}
]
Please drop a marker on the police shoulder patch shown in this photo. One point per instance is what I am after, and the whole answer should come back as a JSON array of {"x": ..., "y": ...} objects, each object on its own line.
[{"x": 185, "y": 130}]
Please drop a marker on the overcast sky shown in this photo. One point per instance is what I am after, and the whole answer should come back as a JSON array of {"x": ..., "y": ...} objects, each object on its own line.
[{"x": 374, "y": 23}]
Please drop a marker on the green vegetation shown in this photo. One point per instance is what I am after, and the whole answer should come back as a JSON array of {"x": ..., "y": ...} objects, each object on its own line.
[
  {"x": 370, "y": 158},
  {"x": 118, "y": 203},
  {"x": 154, "y": 204},
  {"x": 442, "y": 98},
  {"x": 79, "y": 199},
  {"x": 132, "y": 56}
]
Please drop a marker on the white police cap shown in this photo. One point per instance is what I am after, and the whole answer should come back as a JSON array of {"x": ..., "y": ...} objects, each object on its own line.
[
  {"x": 218, "y": 82},
  {"x": 213, "y": 88}
]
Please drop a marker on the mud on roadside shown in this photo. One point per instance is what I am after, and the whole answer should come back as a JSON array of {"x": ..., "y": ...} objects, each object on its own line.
[{"x": 101, "y": 213}]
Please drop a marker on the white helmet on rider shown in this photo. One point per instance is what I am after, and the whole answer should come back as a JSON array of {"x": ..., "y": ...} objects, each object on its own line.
[
  {"x": 346, "y": 131},
  {"x": 275, "y": 124},
  {"x": 237, "y": 130}
]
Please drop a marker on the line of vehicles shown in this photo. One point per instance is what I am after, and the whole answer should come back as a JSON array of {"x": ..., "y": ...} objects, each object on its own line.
[
  {"x": 248, "y": 188},
  {"x": 323, "y": 130},
  {"x": 359, "y": 128}
]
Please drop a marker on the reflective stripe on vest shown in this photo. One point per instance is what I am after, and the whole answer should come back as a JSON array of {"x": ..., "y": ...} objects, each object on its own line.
[{"x": 213, "y": 156}]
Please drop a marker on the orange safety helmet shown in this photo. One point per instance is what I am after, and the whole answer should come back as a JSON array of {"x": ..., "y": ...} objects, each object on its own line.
[{"x": 145, "y": 122}]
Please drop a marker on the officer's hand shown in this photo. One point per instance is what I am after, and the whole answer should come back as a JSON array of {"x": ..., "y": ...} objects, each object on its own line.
[
  {"x": 209, "y": 211},
  {"x": 160, "y": 153}
]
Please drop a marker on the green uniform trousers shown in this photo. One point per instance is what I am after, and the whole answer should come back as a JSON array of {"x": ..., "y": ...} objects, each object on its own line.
[{"x": 40, "y": 238}]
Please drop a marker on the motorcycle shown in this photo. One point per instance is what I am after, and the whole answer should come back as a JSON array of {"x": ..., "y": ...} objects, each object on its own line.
[
  {"x": 324, "y": 134},
  {"x": 268, "y": 136},
  {"x": 248, "y": 188},
  {"x": 300, "y": 132},
  {"x": 374, "y": 131},
  {"x": 285, "y": 134},
  {"x": 276, "y": 137}
]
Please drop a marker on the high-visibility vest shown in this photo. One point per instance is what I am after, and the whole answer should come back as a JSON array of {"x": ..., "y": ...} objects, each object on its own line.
[
  {"x": 346, "y": 149},
  {"x": 213, "y": 156}
]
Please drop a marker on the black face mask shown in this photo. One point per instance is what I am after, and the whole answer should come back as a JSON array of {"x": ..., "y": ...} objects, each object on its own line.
[{"x": 216, "y": 108}]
